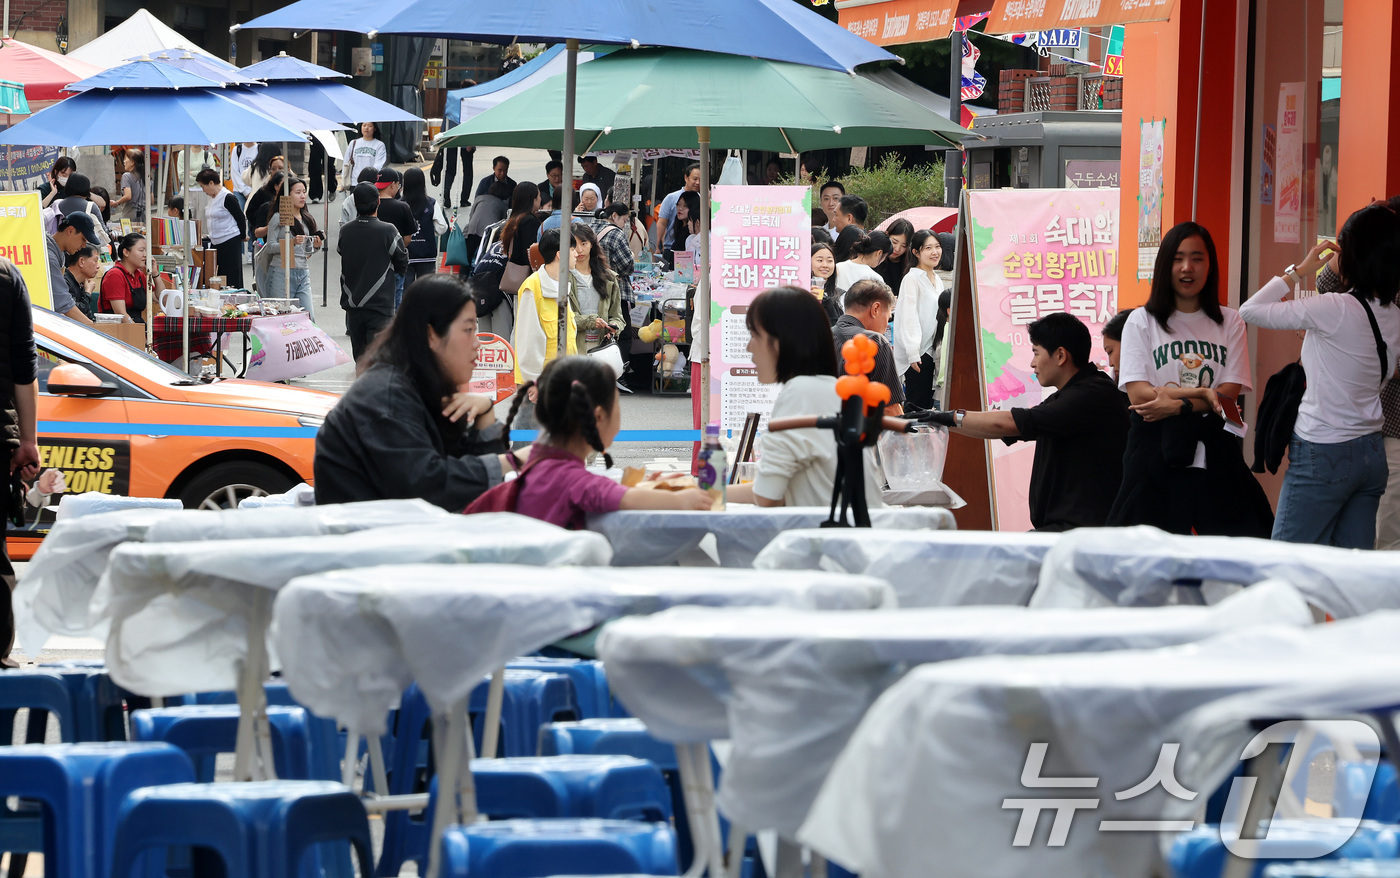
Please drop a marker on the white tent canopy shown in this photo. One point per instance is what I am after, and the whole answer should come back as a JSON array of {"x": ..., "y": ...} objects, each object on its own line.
[
  {"x": 465, "y": 103},
  {"x": 141, "y": 34}
]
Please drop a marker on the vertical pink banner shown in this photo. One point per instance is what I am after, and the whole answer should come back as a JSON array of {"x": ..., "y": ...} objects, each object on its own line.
[
  {"x": 760, "y": 238},
  {"x": 1035, "y": 252},
  {"x": 1288, "y": 198}
]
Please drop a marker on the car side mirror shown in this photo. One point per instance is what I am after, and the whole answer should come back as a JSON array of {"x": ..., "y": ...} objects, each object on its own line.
[{"x": 71, "y": 379}]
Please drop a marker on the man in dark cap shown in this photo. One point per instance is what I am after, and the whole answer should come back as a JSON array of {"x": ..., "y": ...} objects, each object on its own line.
[{"x": 74, "y": 231}]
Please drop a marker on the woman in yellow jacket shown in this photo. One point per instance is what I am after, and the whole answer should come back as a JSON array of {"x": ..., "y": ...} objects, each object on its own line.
[{"x": 543, "y": 317}]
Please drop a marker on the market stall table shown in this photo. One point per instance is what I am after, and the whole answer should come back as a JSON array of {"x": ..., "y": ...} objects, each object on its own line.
[
  {"x": 192, "y": 617},
  {"x": 934, "y": 568},
  {"x": 1142, "y": 566},
  {"x": 787, "y": 688},
  {"x": 934, "y": 771},
  {"x": 659, "y": 537},
  {"x": 275, "y": 346},
  {"x": 168, "y": 340},
  {"x": 55, "y": 594},
  {"x": 352, "y": 641}
]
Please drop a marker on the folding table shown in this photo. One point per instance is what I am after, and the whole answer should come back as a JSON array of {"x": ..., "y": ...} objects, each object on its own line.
[{"x": 351, "y": 641}]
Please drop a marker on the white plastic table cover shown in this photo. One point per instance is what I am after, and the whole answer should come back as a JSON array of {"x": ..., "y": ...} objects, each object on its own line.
[
  {"x": 352, "y": 641},
  {"x": 643, "y": 538},
  {"x": 1137, "y": 566},
  {"x": 788, "y": 688},
  {"x": 55, "y": 593},
  {"x": 927, "y": 568},
  {"x": 179, "y": 612},
  {"x": 298, "y": 495},
  {"x": 925, "y": 777}
]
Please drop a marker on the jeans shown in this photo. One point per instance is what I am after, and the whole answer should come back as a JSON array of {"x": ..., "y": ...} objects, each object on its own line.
[
  {"x": 398, "y": 292},
  {"x": 1331, "y": 492},
  {"x": 301, "y": 286},
  {"x": 1388, "y": 516}
]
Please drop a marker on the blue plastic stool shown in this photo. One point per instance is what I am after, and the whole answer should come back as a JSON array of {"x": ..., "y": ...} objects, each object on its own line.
[
  {"x": 259, "y": 830},
  {"x": 531, "y": 699},
  {"x": 303, "y": 744},
  {"x": 609, "y": 787},
  {"x": 1200, "y": 853},
  {"x": 83, "y": 787},
  {"x": 540, "y": 848},
  {"x": 1335, "y": 869},
  {"x": 37, "y": 690},
  {"x": 1378, "y": 799},
  {"x": 590, "y": 681},
  {"x": 99, "y": 705}
]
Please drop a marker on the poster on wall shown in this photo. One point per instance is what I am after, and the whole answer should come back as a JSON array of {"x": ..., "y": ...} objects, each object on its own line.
[
  {"x": 1288, "y": 168},
  {"x": 760, "y": 237},
  {"x": 1268, "y": 145},
  {"x": 1034, "y": 252},
  {"x": 22, "y": 242},
  {"x": 1154, "y": 137},
  {"x": 25, "y": 167}
]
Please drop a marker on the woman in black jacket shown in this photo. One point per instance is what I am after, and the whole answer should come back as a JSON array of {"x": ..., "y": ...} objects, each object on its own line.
[{"x": 403, "y": 429}]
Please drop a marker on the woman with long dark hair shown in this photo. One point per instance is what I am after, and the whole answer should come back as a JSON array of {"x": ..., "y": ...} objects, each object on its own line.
[
  {"x": 403, "y": 429},
  {"x": 133, "y": 197},
  {"x": 366, "y": 151},
  {"x": 259, "y": 210},
  {"x": 792, "y": 345},
  {"x": 596, "y": 296},
  {"x": 824, "y": 279},
  {"x": 1337, "y": 469},
  {"x": 522, "y": 229},
  {"x": 422, "y": 247},
  {"x": 53, "y": 187},
  {"x": 916, "y": 321},
  {"x": 901, "y": 258},
  {"x": 1180, "y": 353},
  {"x": 306, "y": 239},
  {"x": 687, "y": 207},
  {"x": 267, "y": 162}
]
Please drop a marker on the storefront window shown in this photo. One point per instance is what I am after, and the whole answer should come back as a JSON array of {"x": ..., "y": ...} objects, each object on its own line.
[{"x": 1329, "y": 116}]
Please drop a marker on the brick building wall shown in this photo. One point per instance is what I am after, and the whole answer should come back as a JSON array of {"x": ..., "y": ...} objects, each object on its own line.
[
  {"x": 1064, "y": 89},
  {"x": 40, "y": 16}
]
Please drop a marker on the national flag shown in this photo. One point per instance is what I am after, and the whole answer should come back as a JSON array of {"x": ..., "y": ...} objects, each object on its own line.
[
  {"x": 968, "y": 117},
  {"x": 968, "y": 22},
  {"x": 973, "y": 83}
]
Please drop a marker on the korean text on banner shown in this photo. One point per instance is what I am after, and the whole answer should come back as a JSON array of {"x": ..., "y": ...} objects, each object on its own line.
[
  {"x": 25, "y": 167},
  {"x": 1150, "y": 190},
  {"x": 1019, "y": 16},
  {"x": 22, "y": 242},
  {"x": 1288, "y": 173},
  {"x": 892, "y": 22},
  {"x": 290, "y": 346},
  {"x": 760, "y": 237},
  {"x": 1035, "y": 252},
  {"x": 494, "y": 375}
]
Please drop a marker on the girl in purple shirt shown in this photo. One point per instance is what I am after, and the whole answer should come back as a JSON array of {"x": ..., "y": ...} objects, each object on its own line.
[{"x": 579, "y": 411}]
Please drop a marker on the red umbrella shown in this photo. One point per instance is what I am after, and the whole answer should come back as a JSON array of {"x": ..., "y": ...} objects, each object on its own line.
[
  {"x": 940, "y": 219},
  {"x": 43, "y": 73}
]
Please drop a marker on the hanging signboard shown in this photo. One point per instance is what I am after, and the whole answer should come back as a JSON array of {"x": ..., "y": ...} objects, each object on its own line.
[
  {"x": 760, "y": 237},
  {"x": 25, "y": 167},
  {"x": 1019, "y": 16},
  {"x": 1031, "y": 252},
  {"x": 22, "y": 242},
  {"x": 494, "y": 375}
]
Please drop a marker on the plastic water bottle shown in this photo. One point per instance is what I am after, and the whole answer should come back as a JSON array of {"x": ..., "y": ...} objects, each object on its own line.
[{"x": 713, "y": 469}]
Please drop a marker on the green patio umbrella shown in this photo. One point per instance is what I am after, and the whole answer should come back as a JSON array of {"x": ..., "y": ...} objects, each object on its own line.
[
  {"x": 684, "y": 99},
  {"x": 658, "y": 98}
]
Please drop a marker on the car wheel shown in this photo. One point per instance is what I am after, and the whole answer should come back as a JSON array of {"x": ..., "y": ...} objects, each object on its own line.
[{"x": 223, "y": 485}]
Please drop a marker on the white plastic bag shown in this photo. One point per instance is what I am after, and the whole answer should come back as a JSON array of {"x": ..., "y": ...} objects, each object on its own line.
[
  {"x": 733, "y": 173},
  {"x": 914, "y": 461}
]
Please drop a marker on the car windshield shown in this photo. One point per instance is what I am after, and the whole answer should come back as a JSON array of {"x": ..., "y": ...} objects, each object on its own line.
[{"x": 122, "y": 357}]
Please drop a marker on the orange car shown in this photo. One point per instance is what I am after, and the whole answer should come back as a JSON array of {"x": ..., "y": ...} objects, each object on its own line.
[{"x": 127, "y": 423}]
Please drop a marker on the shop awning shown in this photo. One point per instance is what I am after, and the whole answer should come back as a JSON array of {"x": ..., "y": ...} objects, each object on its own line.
[
  {"x": 1021, "y": 16},
  {"x": 892, "y": 22}
]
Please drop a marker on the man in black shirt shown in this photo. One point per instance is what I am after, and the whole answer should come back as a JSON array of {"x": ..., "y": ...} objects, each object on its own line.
[
  {"x": 83, "y": 266},
  {"x": 19, "y": 405},
  {"x": 500, "y": 167},
  {"x": 372, "y": 252},
  {"x": 849, "y": 225},
  {"x": 868, "y": 307},
  {"x": 1080, "y": 432},
  {"x": 398, "y": 214},
  {"x": 602, "y": 177}
]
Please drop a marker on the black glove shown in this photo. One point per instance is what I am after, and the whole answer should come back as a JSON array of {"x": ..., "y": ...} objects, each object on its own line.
[{"x": 943, "y": 419}]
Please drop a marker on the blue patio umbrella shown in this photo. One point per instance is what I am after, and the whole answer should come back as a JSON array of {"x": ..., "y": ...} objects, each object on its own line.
[
  {"x": 337, "y": 101},
  {"x": 212, "y": 69},
  {"x": 141, "y": 75},
  {"x": 283, "y": 66}
]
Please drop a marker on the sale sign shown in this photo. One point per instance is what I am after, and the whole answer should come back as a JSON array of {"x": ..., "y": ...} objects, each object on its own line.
[
  {"x": 1035, "y": 252},
  {"x": 494, "y": 375},
  {"x": 760, "y": 238}
]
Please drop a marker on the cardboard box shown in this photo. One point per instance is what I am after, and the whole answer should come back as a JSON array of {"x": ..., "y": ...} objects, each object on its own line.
[{"x": 133, "y": 334}]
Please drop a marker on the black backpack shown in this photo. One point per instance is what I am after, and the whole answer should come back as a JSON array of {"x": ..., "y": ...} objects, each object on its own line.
[{"x": 486, "y": 279}]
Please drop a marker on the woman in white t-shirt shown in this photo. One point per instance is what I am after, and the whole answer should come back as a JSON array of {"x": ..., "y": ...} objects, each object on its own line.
[
  {"x": 867, "y": 252},
  {"x": 1183, "y": 472},
  {"x": 792, "y": 345},
  {"x": 916, "y": 320},
  {"x": 367, "y": 151},
  {"x": 1336, "y": 458}
]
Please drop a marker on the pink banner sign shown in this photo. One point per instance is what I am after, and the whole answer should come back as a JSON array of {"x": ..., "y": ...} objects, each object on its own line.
[
  {"x": 290, "y": 346},
  {"x": 760, "y": 238},
  {"x": 1035, "y": 252}
]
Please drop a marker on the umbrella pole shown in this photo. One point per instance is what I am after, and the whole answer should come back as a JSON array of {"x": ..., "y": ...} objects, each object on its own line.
[
  {"x": 702, "y": 294},
  {"x": 325, "y": 247},
  {"x": 146, "y": 197},
  {"x": 187, "y": 217},
  {"x": 566, "y": 203},
  {"x": 282, "y": 253},
  {"x": 655, "y": 171}
]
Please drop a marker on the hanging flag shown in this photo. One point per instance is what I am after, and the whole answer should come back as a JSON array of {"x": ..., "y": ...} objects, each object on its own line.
[
  {"x": 968, "y": 117},
  {"x": 1113, "y": 59},
  {"x": 968, "y": 22},
  {"x": 973, "y": 83}
]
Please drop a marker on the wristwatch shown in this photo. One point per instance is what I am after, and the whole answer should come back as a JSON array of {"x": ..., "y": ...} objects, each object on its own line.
[
  {"x": 1291, "y": 274},
  {"x": 958, "y": 417},
  {"x": 1186, "y": 407}
]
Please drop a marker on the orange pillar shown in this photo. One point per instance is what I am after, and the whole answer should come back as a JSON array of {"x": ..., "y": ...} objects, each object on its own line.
[
  {"x": 1368, "y": 149},
  {"x": 1164, "y": 62}
]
